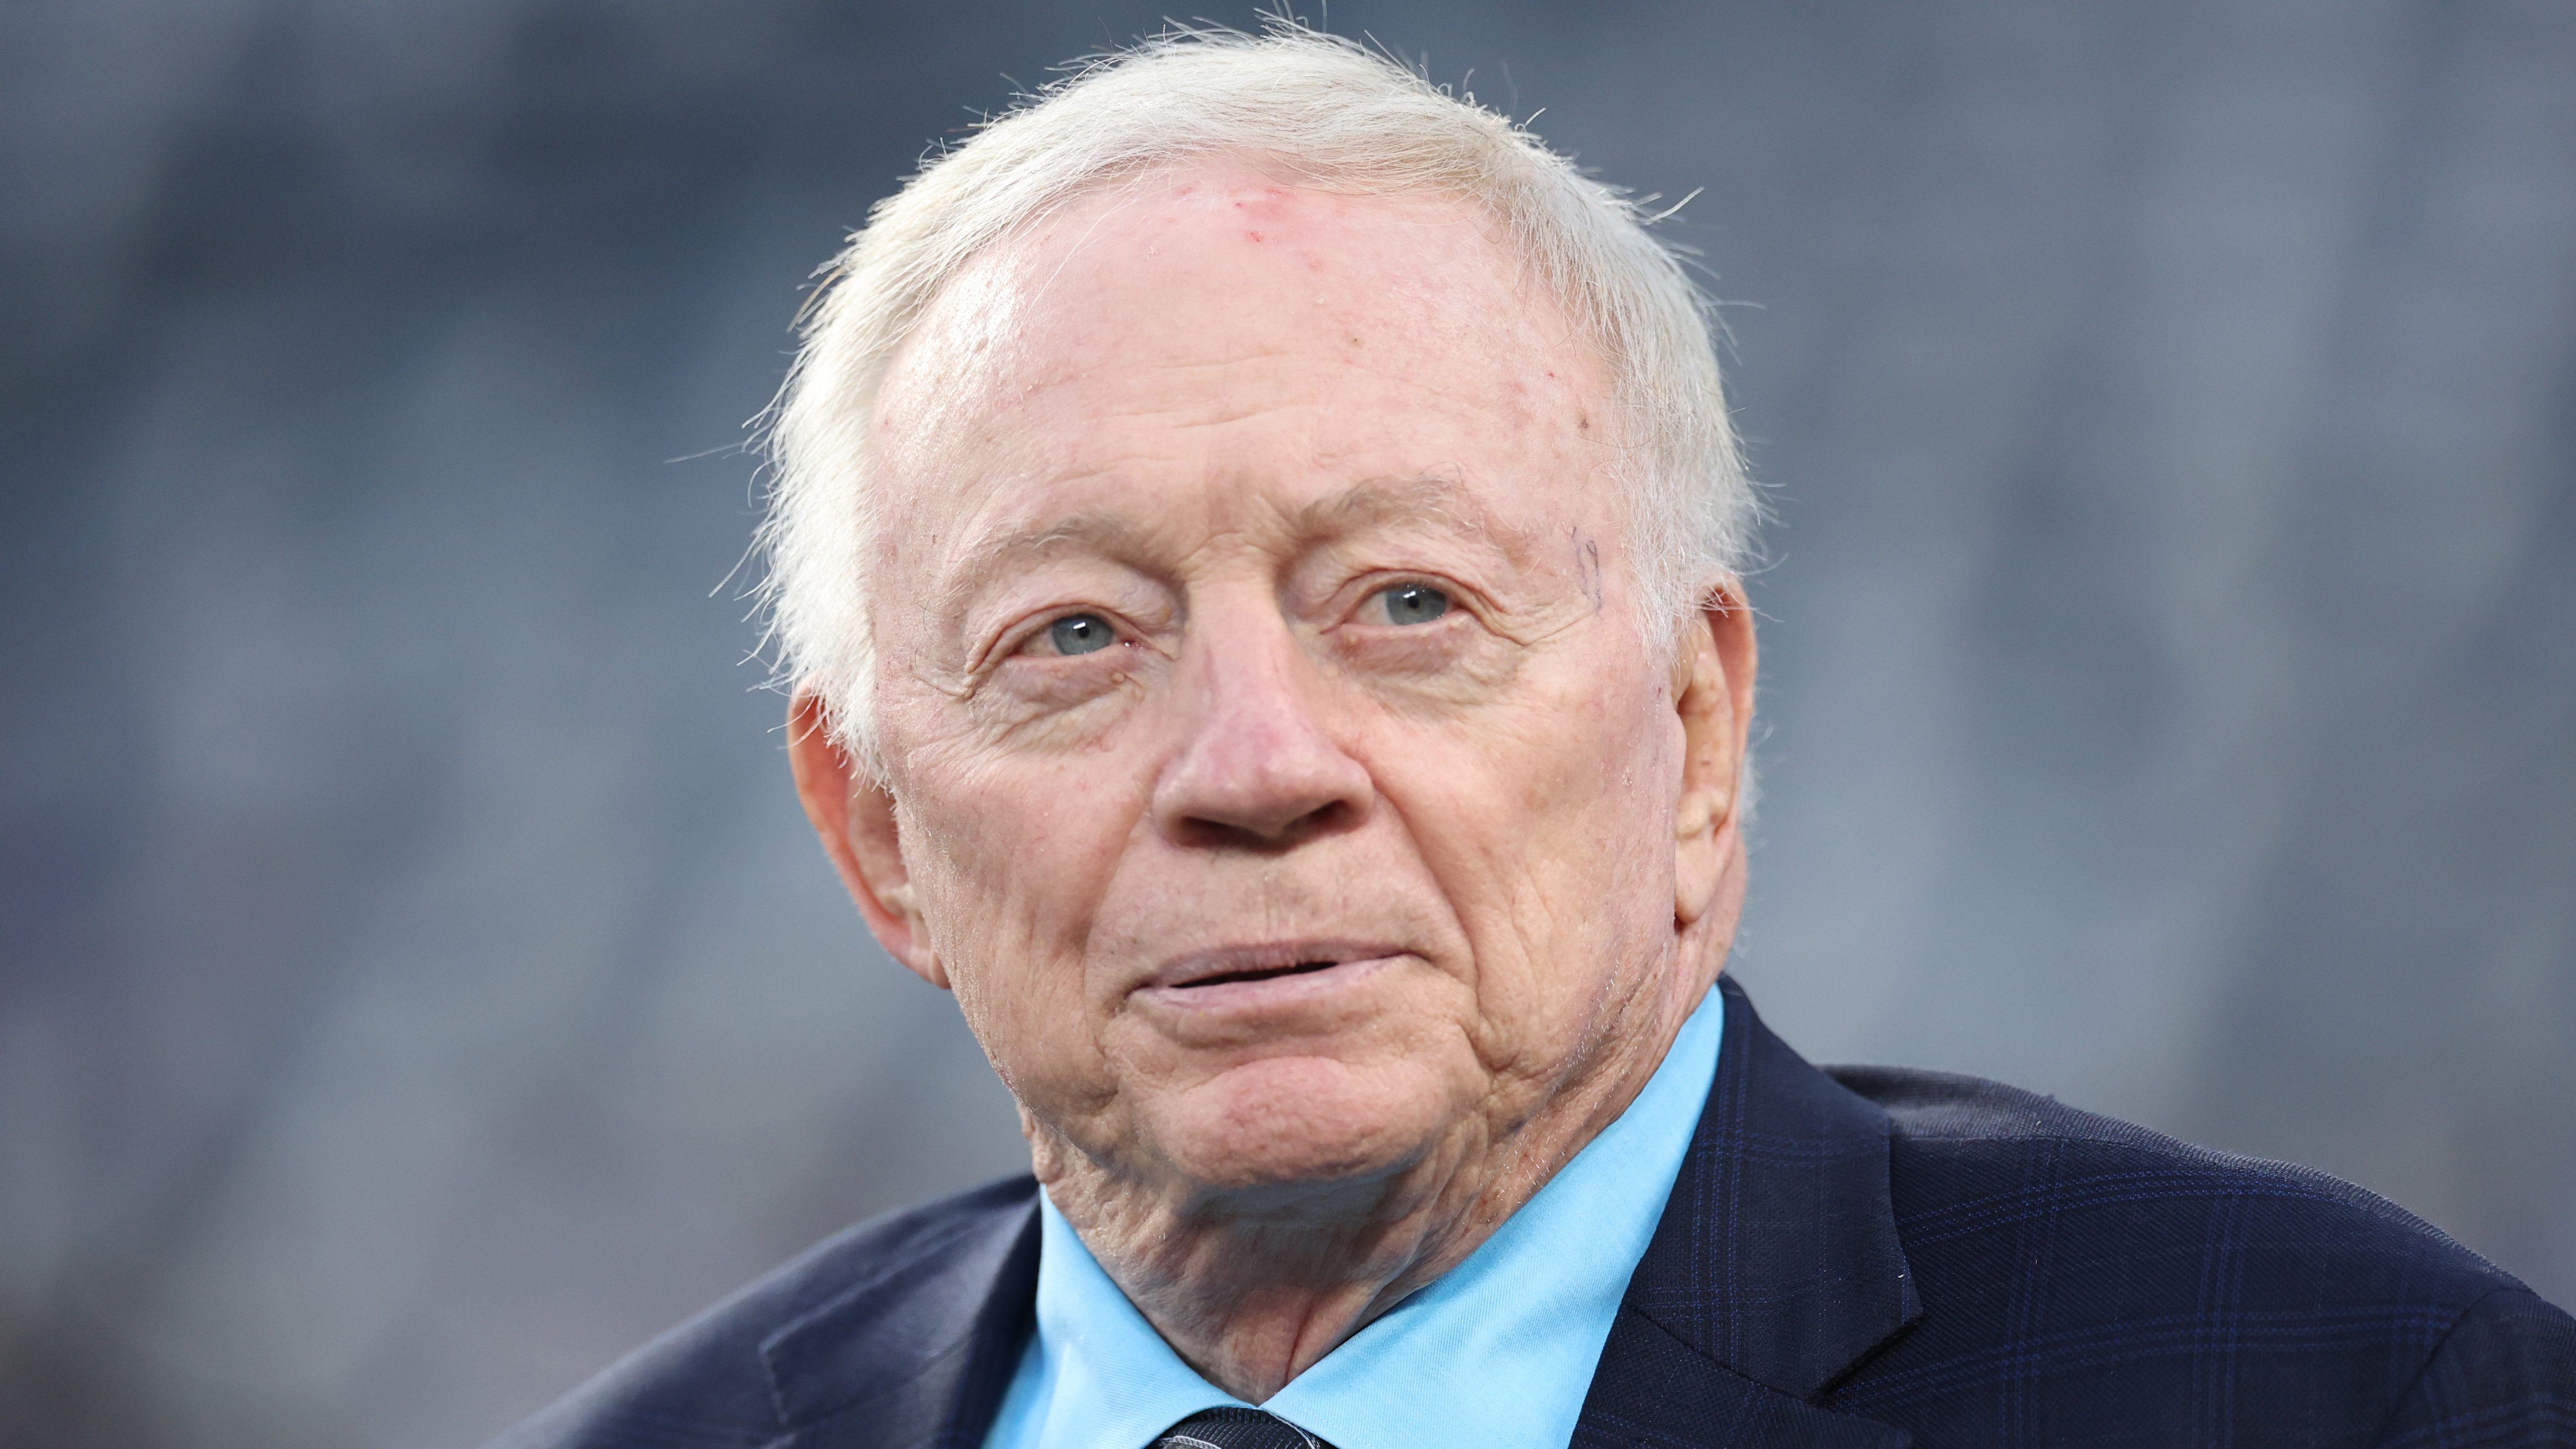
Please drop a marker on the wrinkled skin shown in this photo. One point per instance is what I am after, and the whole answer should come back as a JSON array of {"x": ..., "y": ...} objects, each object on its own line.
[{"x": 1313, "y": 925}]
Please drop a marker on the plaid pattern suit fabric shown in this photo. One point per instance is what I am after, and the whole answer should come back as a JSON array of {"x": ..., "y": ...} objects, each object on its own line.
[
  {"x": 1860, "y": 1257},
  {"x": 2035, "y": 1275}
]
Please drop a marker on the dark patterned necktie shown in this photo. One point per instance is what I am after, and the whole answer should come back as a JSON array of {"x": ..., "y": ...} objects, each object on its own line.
[{"x": 1236, "y": 1429}]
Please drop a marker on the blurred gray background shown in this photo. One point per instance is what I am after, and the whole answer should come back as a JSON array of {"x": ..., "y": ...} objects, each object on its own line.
[{"x": 417, "y": 984}]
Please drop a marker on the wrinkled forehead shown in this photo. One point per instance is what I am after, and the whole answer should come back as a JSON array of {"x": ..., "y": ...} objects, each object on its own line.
[{"x": 1192, "y": 297}]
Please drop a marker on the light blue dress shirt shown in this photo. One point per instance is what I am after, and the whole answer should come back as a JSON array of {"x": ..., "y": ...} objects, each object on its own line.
[{"x": 1497, "y": 1353}]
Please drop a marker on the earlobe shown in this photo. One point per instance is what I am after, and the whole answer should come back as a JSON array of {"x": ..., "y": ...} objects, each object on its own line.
[{"x": 854, "y": 816}]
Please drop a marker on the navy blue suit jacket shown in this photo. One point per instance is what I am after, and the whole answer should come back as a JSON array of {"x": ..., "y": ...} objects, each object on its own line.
[{"x": 1859, "y": 1257}]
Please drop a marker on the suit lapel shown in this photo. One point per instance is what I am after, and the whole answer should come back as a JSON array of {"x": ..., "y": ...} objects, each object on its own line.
[
  {"x": 1654, "y": 1390},
  {"x": 919, "y": 1355},
  {"x": 1774, "y": 1271}
]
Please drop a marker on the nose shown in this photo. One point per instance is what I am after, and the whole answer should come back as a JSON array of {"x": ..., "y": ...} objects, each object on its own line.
[{"x": 1258, "y": 770}]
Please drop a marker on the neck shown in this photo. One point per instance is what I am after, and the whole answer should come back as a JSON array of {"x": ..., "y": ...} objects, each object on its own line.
[{"x": 1252, "y": 1286}]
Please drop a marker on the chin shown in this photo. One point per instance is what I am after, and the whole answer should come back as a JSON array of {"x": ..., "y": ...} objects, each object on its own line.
[{"x": 1303, "y": 1122}]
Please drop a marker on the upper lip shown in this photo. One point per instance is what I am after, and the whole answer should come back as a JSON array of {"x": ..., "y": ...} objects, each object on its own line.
[{"x": 1200, "y": 968}]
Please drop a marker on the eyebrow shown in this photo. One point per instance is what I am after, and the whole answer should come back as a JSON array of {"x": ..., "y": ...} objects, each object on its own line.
[
  {"x": 1376, "y": 502},
  {"x": 1089, "y": 532},
  {"x": 1370, "y": 503}
]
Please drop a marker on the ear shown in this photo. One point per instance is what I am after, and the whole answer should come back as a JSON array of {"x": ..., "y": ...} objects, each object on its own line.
[
  {"x": 1713, "y": 666},
  {"x": 856, "y": 819}
]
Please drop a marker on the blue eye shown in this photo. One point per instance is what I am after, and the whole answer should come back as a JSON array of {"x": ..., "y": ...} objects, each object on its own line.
[
  {"x": 1080, "y": 634},
  {"x": 1414, "y": 604}
]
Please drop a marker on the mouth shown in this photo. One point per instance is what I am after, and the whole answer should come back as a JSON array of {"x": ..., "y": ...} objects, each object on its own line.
[{"x": 1267, "y": 961}]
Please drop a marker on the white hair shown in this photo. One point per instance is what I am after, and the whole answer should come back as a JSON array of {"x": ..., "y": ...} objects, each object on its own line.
[{"x": 1324, "y": 112}]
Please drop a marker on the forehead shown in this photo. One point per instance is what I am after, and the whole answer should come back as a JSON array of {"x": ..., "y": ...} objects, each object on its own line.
[{"x": 1253, "y": 335}]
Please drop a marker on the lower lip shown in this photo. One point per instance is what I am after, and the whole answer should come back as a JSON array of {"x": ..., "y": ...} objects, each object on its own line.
[{"x": 1268, "y": 993}]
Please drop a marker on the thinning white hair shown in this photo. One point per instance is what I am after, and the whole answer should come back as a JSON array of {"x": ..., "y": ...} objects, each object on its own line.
[{"x": 1323, "y": 112}]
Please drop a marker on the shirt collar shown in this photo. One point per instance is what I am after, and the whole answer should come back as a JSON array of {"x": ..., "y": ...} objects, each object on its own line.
[{"x": 1498, "y": 1351}]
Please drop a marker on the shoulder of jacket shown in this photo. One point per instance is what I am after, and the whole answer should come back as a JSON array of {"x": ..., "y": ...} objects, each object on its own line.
[
  {"x": 1965, "y": 1150},
  {"x": 708, "y": 1382}
]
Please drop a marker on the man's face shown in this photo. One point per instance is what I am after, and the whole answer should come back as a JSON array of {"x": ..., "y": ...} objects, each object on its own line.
[{"x": 1277, "y": 770}]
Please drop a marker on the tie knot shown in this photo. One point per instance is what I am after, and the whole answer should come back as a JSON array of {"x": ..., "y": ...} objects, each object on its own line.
[{"x": 1237, "y": 1429}]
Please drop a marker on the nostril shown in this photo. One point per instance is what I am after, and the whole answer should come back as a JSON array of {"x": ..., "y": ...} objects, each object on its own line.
[
  {"x": 1327, "y": 816},
  {"x": 1326, "y": 819},
  {"x": 1248, "y": 830}
]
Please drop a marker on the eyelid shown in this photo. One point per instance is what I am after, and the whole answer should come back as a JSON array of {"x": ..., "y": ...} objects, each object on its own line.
[
  {"x": 1014, "y": 642},
  {"x": 1462, "y": 600}
]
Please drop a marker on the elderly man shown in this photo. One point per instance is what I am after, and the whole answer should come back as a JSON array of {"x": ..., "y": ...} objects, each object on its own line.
[{"x": 1254, "y": 543}]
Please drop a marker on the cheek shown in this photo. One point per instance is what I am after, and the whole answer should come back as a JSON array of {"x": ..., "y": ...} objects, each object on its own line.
[
  {"x": 1549, "y": 836},
  {"x": 1009, "y": 865}
]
